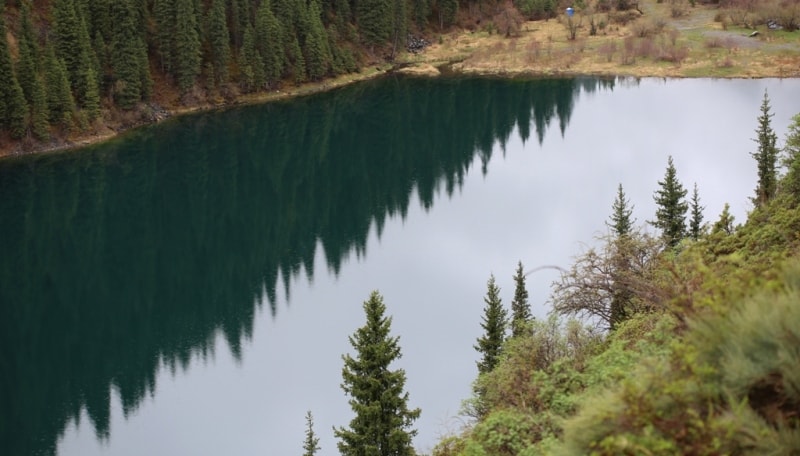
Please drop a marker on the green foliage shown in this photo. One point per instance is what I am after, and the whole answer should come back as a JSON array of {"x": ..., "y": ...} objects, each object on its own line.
[
  {"x": 766, "y": 156},
  {"x": 537, "y": 9},
  {"x": 448, "y": 9},
  {"x": 268, "y": 38},
  {"x": 520, "y": 307},
  {"x": 311, "y": 443},
  {"x": 126, "y": 55},
  {"x": 671, "y": 207},
  {"x": 60, "y": 104},
  {"x": 730, "y": 388},
  {"x": 490, "y": 345},
  {"x": 374, "y": 19},
  {"x": 382, "y": 421}
]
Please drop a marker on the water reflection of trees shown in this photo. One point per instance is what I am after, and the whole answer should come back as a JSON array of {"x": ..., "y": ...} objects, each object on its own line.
[{"x": 133, "y": 255}]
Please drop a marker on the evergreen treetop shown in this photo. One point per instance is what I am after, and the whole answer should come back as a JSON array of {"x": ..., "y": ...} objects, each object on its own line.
[
  {"x": 621, "y": 221},
  {"x": 766, "y": 156},
  {"x": 671, "y": 207},
  {"x": 520, "y": 307},
  {"x": 696, "y": 222},
  {"x": 311, "y": 443},
  {"x": 382, "y": 423},
  {"x": 490, "y": 345}
]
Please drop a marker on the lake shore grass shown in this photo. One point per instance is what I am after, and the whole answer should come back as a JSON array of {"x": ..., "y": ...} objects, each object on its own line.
[{"x": 649, "y": 42}]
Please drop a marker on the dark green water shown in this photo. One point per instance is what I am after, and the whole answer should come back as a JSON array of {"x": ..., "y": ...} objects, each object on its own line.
[{"x": 124, "y": 266}]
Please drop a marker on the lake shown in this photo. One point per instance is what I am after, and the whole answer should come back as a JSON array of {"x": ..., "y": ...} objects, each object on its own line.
[{"x": 189, "y": 288}]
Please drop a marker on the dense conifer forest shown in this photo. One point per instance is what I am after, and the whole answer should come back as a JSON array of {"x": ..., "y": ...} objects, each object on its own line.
[{"x": 73, "y": 67}]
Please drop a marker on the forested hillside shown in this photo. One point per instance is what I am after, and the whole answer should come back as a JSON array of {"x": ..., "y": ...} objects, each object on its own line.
[{"x": 70, "y": 67}]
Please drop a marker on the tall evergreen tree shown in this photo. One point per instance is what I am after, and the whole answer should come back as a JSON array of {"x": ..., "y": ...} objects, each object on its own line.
[
  {"x": 220, "y": 41},
  {"x": 311, "y": 443},
  {"x": 269, "y": 38},
  {"x": 164, "y": 18},
  {"x": 792, "y": 158},
  {"x": 66, "y": 32},
  {"x": 696, "y": 222},
  {"x": 766, "y": 156},
  {"x": 252, "y": 66},
  {"x": 28, "y": 65},
  {"x": 187, "y": 45},
  {"x": 671, "y": 207},
  {"x": 13, "y": 109},
  {"x": 126, "y": 55},
  {"x": 317, "y": 49},
  {"x": 490, "y": 345},
  {"x": 621, "y": 212},
  {"x": 374, "y": 19},
  {"x": 39, "y": 113},
  {"x": 520, "y": 307},
  {"x": 382, "y": 423},
  {"x": 60, "y": 104}
]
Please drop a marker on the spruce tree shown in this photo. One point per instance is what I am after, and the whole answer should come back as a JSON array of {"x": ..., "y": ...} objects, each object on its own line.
[
  {"x": 317, "y": 49},
  {"x": 60, "y": 104},
  {"x": 126, "y": 57},
  {"x": 219, "y": 40},
  {"x": 490, "y": 345},
  {"x": 39, "y": 113},
  {"x": 766, "y": 156},
  {"x": 253, "y": 76},
  {"x": 374, "y": 19},
  {"x": 164, "y": 18},
  {"x": 671, "y": 207},
  {"x": 520, "y": 307},
  {"x": 621, "y": 211},
  {"x": 13, "y": 109},
  {"x": 725, "y": 222},
  {"x": 792, "y": 158},
  {"x": 696, "y": 222},
  {"x": 382, "y": 423},
  {"x": 28, "y": 65},
  {"x": 311, "y": 443},
  {"x": 268, "y": 39},
  {"x": 187, "y": 45}
]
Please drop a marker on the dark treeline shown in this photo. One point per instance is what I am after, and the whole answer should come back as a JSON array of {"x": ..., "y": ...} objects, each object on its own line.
[
  {"x": 131, "y": 255},
  {"x": 75, "y": 64}
]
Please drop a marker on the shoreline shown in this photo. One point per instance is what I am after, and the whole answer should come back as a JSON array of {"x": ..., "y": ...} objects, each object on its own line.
[{"x": 539, "y": 50}]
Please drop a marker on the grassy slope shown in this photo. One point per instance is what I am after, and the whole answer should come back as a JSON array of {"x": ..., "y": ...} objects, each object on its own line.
[{"x": 713, "y": 371}]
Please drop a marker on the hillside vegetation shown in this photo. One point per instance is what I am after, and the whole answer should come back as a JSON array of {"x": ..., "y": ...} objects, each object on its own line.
[
  {"x": 73, "y": 71},
  {"x": 702, "y": 358}
]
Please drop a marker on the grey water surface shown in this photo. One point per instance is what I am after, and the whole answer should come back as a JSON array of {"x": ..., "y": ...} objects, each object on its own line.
[{"x": 189, "y": 288}]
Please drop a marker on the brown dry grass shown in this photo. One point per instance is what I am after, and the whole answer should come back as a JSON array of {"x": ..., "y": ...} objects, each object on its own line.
[{"x": 659, "y": 44}]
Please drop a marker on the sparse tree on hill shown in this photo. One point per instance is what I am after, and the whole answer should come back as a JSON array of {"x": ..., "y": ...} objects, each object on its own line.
[
  {"x": 671, "y": 207},
  {"x": 490, "y": 345},
  {"x": 725, "y": 222},
  {"x": 383, "y": 420},
  {"x": 766, "y": 156}
]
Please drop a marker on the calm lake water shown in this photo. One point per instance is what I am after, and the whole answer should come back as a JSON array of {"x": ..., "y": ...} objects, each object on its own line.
[{"x": 189, "y": 288}]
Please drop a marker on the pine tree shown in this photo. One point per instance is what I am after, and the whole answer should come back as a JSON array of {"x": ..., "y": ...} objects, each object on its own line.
[
  {"x": 66, "y": 32},
  {"x": 621, "y": 221},
  {"x": 60, "y": 104},
  {"x": 317, "y": 49},
  {"x": 28, "y": 64},
  {"x": 374, "y": 19},
  {"x": 219, "y": 38},
  {"x": 126, "y": 57},
  {"x": 253, "y": 77},
  {"x": 792, "y": 158},
  {"x": 490, "y": 345},
  {"x": 671, "y": 207},
  {"x": 187, "y": 45},
  {"x": 39, "y": 113},
  {"x": 382, "y": 423},
  {"x": 766, "y": 156},
  {"x": 164, "y": 18},
  {"x": 269, "y": 38},
  {"x": 696, "y": 222},
  {"x": 13, "y": 109},
  {"x": 520, "y": 307},
  {"x": 311, "y": 444}
]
